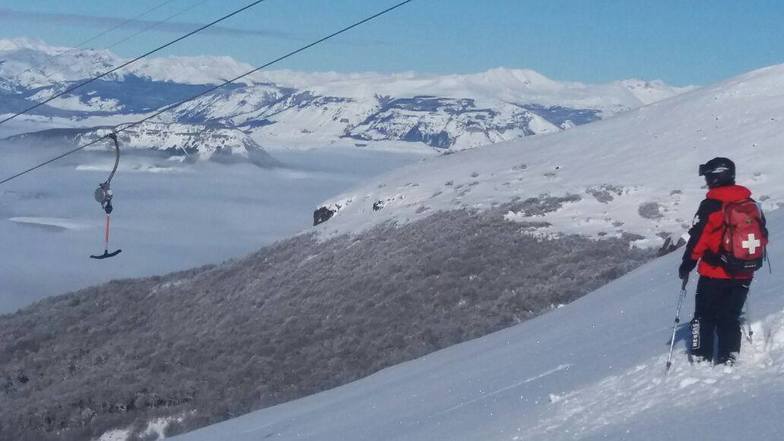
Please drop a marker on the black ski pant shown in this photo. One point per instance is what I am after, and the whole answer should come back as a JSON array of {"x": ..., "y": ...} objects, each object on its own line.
[{"x": 717, "y": 310}]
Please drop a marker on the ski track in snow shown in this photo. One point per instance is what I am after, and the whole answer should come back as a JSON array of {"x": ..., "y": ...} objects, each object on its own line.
[
  {"x": 563, "y": 367},
  {"x": 619, "y": 400}
]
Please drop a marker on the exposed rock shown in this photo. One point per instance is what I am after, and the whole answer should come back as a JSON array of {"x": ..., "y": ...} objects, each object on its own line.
[{"x": 322, "y": 215}]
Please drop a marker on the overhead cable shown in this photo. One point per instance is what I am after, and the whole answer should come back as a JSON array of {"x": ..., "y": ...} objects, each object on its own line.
[
  {"x": 106, "y": 31},
  {"x": 123, "y": 23},
  {"x": 127, "y": 63},
  {"x": 156, "y": 24},
  {"x": 126, "y": 126}
]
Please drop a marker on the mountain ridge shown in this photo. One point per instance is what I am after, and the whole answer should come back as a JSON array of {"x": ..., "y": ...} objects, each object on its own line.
[
  {"x": 633, "y": 174},
  {"x": 295, "y": 109}
]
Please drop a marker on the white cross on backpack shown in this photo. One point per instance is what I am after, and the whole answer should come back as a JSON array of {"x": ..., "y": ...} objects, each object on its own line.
[{"x": 752, "y": 244}]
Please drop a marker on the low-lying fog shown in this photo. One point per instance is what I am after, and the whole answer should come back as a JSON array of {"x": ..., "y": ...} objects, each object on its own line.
[{"x": 168, "y": 216}]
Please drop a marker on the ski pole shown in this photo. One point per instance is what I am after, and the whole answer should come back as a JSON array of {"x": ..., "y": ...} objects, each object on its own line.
[
  {"x": 747, "y": 319},
  {"x": 677, "y": 322}
]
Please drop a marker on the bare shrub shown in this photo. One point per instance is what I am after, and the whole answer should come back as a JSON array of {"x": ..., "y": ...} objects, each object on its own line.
[{"x": 650, "y": 210}]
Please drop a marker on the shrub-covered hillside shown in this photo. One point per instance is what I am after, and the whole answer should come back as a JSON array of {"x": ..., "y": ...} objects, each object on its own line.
[{"x": 293, "y": 319}]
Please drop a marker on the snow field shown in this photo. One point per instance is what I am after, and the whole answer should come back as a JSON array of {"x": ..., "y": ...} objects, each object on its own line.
[{"x": 620, "y": 399}]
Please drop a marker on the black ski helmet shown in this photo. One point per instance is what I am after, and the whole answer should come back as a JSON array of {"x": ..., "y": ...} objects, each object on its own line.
[{"x": 718, "y": 172}]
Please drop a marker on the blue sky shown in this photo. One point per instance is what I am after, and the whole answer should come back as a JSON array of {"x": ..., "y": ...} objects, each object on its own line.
[{"x": 680, "y": 42}]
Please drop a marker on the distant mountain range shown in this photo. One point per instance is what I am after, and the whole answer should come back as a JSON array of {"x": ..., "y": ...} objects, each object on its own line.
[{"x": 292, "y": 109}]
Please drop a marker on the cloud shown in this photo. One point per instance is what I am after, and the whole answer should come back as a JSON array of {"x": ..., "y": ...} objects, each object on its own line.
[{"x": 104, "y": 22}]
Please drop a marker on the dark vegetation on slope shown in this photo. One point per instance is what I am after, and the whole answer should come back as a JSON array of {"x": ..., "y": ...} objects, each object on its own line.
[{"x": 295, "y": 318}]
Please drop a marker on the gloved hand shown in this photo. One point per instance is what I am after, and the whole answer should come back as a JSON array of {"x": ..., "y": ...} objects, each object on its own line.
[{"x": 685, "y": 268}]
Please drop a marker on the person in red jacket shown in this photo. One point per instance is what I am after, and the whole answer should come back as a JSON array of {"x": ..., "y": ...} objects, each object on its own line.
[{"x": 720, "y": 296}]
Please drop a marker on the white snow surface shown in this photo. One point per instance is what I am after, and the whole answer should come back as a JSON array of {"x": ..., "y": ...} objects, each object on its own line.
[
  {"x": 590, "y": 370},
  {"x": 634, "y": 173}
]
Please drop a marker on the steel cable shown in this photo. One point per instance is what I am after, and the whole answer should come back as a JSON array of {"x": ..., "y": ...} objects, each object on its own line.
[{"x": 211, "y": 89}]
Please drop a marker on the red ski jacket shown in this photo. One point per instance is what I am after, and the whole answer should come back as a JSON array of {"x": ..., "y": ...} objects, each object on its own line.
[{"x": 707, "y": 229}]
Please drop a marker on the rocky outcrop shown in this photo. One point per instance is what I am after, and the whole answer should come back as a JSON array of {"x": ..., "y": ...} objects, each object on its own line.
[{"x": 321, "y": 215}]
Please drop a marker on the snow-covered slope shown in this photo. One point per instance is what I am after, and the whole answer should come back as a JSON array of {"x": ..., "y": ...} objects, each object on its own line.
[
  {"x": 635, "y": 173},
  {"x": 294, "y": 109},
  {"x": 590, "y": 370}
]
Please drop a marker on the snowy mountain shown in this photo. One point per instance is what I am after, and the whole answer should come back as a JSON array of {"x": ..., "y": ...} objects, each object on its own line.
[
  {"x": 292, "y": 109},
  {"x": 174, "y": 140},
  {"x": 634, "y": 174},
  {"x": 591, "y": 370},
  {"x": 446, "y": 112}
]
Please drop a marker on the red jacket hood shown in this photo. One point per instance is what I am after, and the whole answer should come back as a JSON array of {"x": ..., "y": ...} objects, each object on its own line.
[{"x": 729, "y": 193}]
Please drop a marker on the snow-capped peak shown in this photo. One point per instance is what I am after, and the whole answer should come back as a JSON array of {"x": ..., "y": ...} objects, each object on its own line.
[
  {"x": 516, "y": 77},
  {"x": 19, "y": 43},
  {"x": 29, "y": 64},
  {"x": 33, "y": 63},
  {"x": 651, "y": 91}
]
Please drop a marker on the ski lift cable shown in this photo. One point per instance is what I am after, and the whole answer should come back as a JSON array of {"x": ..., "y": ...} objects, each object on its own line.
[
  {"x": 125, "y": 126},
  {"x": 123, "y": 23},
  {"x": 51, "y": 59},
  {"x": 81, "y": 45},
  {"x": 156, "y": 24},
  {"x": 127, "y": 63}
]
